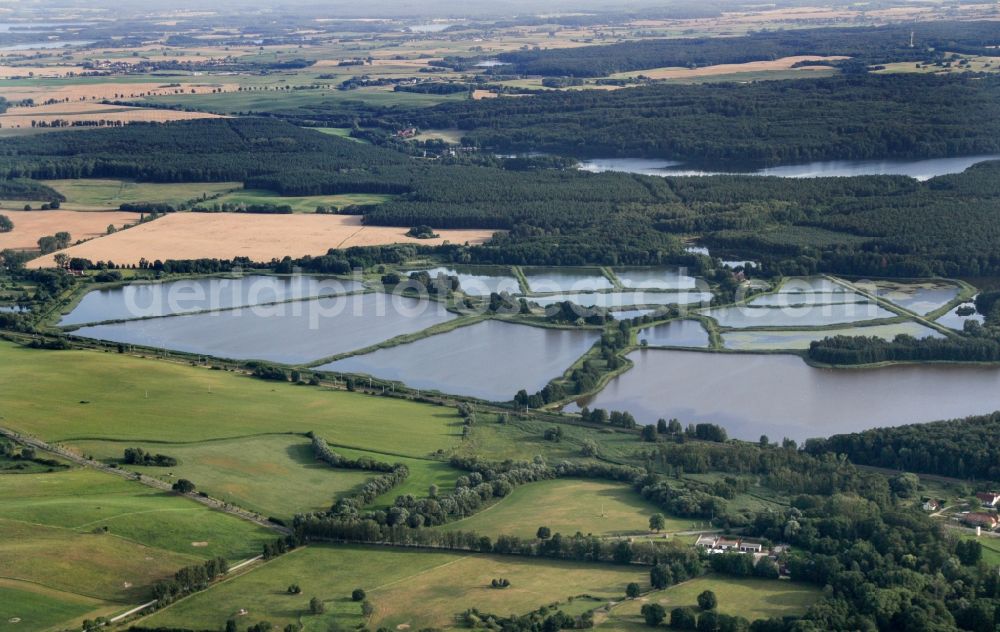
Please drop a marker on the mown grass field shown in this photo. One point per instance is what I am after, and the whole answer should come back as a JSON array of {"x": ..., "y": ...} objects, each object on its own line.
[
  {"x": 110, "y": 194},
  {"x": 75, "y": 395},
  {"x": 274, "y": 475},
  {"x": 80, "y": 543},
  {"x": 306, "y": 204},
  {"x": 748, "y": 598},
  {"x": 83, "y": 501},
  {"x": 567, "y": 506},
  {"x": 410, "y": 588},
  {"x": 25, "y": 606}
]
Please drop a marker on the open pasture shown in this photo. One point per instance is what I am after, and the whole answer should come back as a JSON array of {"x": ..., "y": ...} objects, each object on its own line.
[
  {"x": 82, "y": 501},
  {"x": 568, "y": 506},
  {"x": 29, "y": 226},
  {"x": 28, "y": 607},
  {"x": 748, "y": 598},
  {"x": 86, "y": 194},
  {"x": 304, "y": 204},
  {"x": 409, "y": 589},
  {"x": 259, "y": 237},
  {"x": 256, "y": 472},
  {"x": 76, "y": 395}
]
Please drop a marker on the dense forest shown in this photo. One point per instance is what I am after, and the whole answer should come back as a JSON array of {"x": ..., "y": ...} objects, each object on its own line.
[
  {"x": 873, "y": 225},
  {"x": 742, "y": 125},
  {"x": 964, "y": 448},
  {"x": 866, "y": 45}
]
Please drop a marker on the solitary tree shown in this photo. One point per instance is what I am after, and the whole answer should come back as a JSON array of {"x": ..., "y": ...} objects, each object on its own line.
[
  {"x": 183, "y": 486},
  {"x": 632, "y": 591},
  {"x": 657, "y": 522},
  {"x": 316, "y": 606},
  {"x": 358, "y": 595},
  {"x": 707, "y": 600},
  {"x": 543, "y": 533},
  {"x": 5, "y": 224}
]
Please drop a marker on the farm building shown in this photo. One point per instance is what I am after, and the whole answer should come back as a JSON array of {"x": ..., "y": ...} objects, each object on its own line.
[{"x": 989, "y": 499}]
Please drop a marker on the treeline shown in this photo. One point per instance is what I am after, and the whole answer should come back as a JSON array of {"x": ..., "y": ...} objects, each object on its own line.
[
  {"x": 866, "y": 46},
  {"x": 962, "y": 448},
  {"x": 391, "y": 474},
  {"x": 28, "y": 190},
  {"x": 717, "y": 125},
  {"x": 188, "y": 580},
  {"x": 577, "y": 547},
  {"x": 848, "y": 350}
]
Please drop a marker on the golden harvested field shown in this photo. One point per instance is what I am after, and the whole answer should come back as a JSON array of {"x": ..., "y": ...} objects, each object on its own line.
[
  {"x": 6, "y": 72},
  {"x": 29, "y": 226},
  {"x": 22, "y": 117},
  {"x": 785, "y": 63},
  {"x": 260, "y": 237},
  {"x": 76, "y": 92}
]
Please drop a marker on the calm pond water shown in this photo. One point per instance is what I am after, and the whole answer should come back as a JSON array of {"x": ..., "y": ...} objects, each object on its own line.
[
  {"x": 563, "y": 280},
  {"x": 918, "y": 169},
  {"x": 490, "y": 360},
  {"x": 916, "y": 297},
  {"x": 656, "y": 278},
  {"x": 142, "y": 300},
  {"x": 676, "y": 333},
  {"x": 292, "y": 333},
  {"x": 800, "y": 339},
  {"x": 624, "y": 299},
  {"x": 481, "y": 281},
  {"x": 953, "y": 320},
  {"x": 742, "y": 316},
  {"x": 780, "y": 395},
  {"x": 788, "y": 299}
]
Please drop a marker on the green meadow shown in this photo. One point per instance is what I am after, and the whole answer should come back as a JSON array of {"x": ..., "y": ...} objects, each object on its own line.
[
  {"x": 69, "y": 396},
  {"x": 566, "y": 506},
  {"x": 305, "y": 204},
  {"x": 100, "y": 193},
  {"x": 409, "y": 589},
  {"x": 748, "y": 598},
  {"x": 274, "y": 475}
]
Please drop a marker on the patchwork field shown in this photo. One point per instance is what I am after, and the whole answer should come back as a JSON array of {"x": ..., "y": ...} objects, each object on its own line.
[
  {"x": 76, "y": 395},
  {"x": 566, "y": 506},
  {"x": 29, "y": 226},
  {"x": 68, "y": 113},
  {"x": 87, "y": 194},
  {"x": 747, "y": 598},
  {"x": 260, "y": 237},
  {"x": 409, "y": 589}
]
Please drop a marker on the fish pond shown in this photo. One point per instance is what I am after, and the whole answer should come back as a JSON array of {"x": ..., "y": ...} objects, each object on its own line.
[
  {"x": 292, "y": 333},
  {"x": 782, "y": 396},
  {"x": 491, "y": 360}
]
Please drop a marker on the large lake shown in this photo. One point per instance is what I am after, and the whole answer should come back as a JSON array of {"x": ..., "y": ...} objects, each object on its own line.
[
  {"x": 918, "y": 169},
  {"x": 780, "y": 395},
  {"x": 293, "y": 333},
  {"x": 142, "y": 300},
  {"x": 490, "y": 360}
]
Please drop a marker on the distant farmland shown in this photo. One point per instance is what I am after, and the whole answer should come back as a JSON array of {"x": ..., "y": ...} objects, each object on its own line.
[{"x": 260, "y": 237}]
